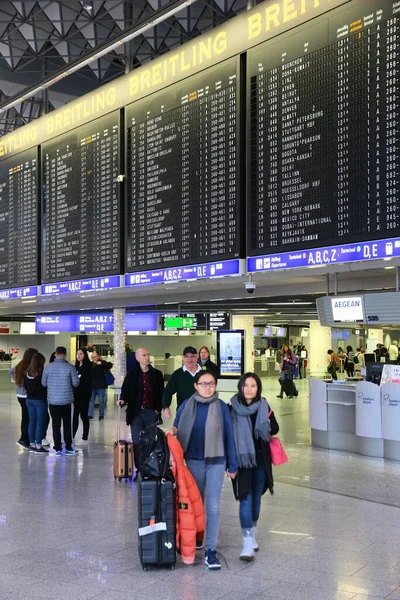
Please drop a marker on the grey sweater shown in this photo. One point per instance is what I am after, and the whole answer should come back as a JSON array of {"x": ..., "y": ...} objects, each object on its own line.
[{"x": 60, "y": 377}]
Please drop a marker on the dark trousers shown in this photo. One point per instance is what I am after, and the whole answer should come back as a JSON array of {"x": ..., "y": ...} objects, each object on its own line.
[
  {"x": 81, "y": 409},
  {"x": 24, "y": 420},
  {"x": 61, "y": 413},
  {"x": 144, "y": 418}
]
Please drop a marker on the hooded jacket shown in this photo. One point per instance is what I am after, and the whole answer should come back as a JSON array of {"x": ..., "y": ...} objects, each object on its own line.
[{"x": 190, "y": 521}]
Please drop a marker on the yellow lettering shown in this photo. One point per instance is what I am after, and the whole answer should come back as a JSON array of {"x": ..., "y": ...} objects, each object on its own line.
[
  {"x": 220, "y": 42},
  {"x": 26, "y": 138},
  {"x": 67, "y": 117},
  {"x": 204, "y": 51},
  {"x": 184, "y": 66},
  {"x": 78, "y": 111},
  {"x": 254, "y": 26},
  {"x": 272, "y": 16},
  {"x": 195, "y": 55},
  {"x": 133, "y": 85},
  {"x": 165, "y": 65},
  {"x": 303, "y": 7},
  {"x": 58, "y": 121},
  {"x": 317, "y": 3},
  {"x": 111, "y": 96},
  {"x": 172, "y": 61},
  {"x": 86, "y": 111},
  {"x": 145, "y": 79},
  {"x": 156, "y": 74},
  {"x": 16, "y": 143},
  {"x": 289, "y": 11}
]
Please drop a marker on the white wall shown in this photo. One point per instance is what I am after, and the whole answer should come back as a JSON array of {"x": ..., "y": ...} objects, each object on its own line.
[{"x": 46, "y": 344}]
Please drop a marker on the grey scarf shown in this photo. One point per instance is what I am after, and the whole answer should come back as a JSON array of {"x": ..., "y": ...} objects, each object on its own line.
[
  {"x": 214, "y": 438},
  {"x": 243, "y": 429}
]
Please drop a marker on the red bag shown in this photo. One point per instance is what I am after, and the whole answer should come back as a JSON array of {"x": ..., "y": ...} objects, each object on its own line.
[{"x": 278, "y": 454}]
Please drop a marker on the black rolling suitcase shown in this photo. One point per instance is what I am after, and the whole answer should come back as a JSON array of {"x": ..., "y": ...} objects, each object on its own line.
[
  {"x": 156, "y": 515},
  {"x": 289, "y": 388}
]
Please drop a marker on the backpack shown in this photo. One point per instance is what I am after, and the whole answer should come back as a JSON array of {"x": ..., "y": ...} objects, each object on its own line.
[
  {"x": 355, "y": 359},
  {"x": 154, "y": 454}
]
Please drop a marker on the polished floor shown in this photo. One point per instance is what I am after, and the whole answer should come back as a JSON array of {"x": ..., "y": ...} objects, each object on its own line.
[{"x": 68, "y": 531}]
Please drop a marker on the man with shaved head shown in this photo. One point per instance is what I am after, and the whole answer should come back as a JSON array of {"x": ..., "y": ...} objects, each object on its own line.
[{"x": 142, "y": 393}]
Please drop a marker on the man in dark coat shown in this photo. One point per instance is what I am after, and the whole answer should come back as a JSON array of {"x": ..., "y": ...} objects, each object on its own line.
[{"x": 142, "y": 393}]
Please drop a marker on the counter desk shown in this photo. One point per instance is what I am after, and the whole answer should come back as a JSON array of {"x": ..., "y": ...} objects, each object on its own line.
[{"x": 358, "y": 417}]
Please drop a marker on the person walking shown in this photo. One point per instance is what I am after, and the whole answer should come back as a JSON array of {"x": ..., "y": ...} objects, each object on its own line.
[
  {"x": 99, "y": 384},
  {"x": 181, "y": 381},
  {"x": 17, "y": 373},
  {"x": 205, "y": 361},
  {"x": 349, "y": 361},
  {"x": 203, "y": 426},
  {"x": 253, "y": 424},
  {"x": 82, "y": 395},
  {"x": 288, "y": 367},
  {"x": 141, "y": 392},
  {"x": 60, "y": 378},
  {"x": 36, "y": 402},
  {"x": 334, "y": 364}
]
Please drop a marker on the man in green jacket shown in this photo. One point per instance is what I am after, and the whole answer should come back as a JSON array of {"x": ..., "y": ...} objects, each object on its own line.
[{"x": 181, "y": 381}]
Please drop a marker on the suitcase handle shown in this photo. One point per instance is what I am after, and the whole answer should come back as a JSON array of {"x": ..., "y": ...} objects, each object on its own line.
[{"x": 118, "y": 422}]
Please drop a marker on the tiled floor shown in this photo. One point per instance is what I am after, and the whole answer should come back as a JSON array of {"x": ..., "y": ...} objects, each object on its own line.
[{"x": 67, "y": 530}]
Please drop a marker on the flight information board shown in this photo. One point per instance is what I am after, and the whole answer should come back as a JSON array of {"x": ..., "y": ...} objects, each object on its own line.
[
  {"x": 324, "y": 136},
  {"x": 18, "y": 220},
  {"x": 81, "y": 215},
  {"x": 183, "y": 172}
]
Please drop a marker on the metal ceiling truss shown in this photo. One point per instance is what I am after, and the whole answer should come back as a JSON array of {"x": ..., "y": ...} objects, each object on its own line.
[{"x": 39, "y": 38}]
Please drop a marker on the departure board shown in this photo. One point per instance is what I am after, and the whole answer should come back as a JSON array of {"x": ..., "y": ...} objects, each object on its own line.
[
  {"x": 81, "y": 216},
  {"x": 18, "y": 220},
  {"x": 324, "y": 132},
  {"x": 183, "y": 172}
]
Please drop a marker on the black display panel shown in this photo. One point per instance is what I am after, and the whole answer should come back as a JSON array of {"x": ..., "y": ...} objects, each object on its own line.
[
  {"x": 324, "y": 132},
  {"x": 183, "y": 172},
  {"x": 81, "y": 214},
  {"x": 19, "y": 220}
]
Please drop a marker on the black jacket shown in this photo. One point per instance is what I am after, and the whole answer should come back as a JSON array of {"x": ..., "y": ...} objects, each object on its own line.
[
  {"x": 34, "y": 388},
  {"x": 210, "y": 366},
  {"x": 242, "y": 483},
  {"x": 131, "y": 391},
  {"x": 84, "y": 390},
  {"x": 98, "y": 378}
]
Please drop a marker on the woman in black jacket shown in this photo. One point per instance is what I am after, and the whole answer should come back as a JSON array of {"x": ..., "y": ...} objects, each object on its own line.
[
  {"x": 253, "y": 424},
  {"x": 36, "y": 402},
  {"x": 82, "y": 394}
]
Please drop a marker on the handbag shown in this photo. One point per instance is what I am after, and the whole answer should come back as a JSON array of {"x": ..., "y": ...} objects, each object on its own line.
[
  {"x": 109, "y": 377},
  {"x": 278, "y": 454}
]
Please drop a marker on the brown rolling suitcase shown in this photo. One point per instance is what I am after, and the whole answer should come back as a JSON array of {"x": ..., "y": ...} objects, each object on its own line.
[{"x": 123, "y": 454}]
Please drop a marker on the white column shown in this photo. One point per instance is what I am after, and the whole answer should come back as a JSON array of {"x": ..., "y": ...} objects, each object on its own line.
[
  {"x": 375, "y": 336},
  {"x": 119, "y": 369},
  {"x": 246, "y": 323},
  {"x": 320, "y": 342}
]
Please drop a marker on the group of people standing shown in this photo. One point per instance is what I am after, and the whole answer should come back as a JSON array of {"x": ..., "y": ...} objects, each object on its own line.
[
  {"x": 217, "y": 439},
  {"x": 54, "y": 388}
]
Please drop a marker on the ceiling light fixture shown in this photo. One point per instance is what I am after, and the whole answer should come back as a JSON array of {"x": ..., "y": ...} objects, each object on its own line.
[{"x": 105, "y": 48}]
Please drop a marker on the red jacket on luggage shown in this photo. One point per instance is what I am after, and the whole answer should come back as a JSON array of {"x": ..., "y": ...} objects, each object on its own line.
[{"x": 190, "y": 521}]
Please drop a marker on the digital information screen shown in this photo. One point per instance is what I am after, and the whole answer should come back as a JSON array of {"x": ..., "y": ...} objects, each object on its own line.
[
  {"x": 324, "y": 138},
  {"x": 81, "y": 216},
  {"x": 183, "y": 172},
  {"x": 230, "y": 353},
  {"x": 18, "y": 220}
]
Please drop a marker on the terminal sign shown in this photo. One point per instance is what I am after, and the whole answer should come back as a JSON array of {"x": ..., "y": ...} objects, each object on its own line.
[{"x": 347, "y": 310}]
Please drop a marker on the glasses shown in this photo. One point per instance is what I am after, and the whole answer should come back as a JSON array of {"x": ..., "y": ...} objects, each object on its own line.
[{"x": 205, "y": 384}]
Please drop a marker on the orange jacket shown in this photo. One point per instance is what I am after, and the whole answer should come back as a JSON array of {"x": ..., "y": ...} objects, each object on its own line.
[{"x": 190, "y": 522}]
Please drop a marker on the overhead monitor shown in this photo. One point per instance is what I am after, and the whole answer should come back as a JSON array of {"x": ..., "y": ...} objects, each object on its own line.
[
  {"x": 230, "y": 353},
  {"x": 281, "y": 332},
  {"x": 349, "y": 309},
  {"x": 27, "y": 328}
]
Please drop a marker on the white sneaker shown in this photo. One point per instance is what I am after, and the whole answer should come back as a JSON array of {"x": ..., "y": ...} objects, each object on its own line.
[
  {"x": 253, "y": 537},
  {"x": 247, "y": 554},
  {"x": 45, "y": 442}
]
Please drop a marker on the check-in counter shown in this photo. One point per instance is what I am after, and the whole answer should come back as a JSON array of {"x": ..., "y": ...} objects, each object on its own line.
[{"x": 357, "y": 417}]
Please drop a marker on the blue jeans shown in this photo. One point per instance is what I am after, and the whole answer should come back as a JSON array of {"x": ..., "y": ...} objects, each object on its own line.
[
  {"x": 249, "y": 510},
  {"x": 37, "y": 420},
  {"x": 144, "y": 418},
  {"x": 209, "y": 479},
  {"x": 101, "y": 395}
]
